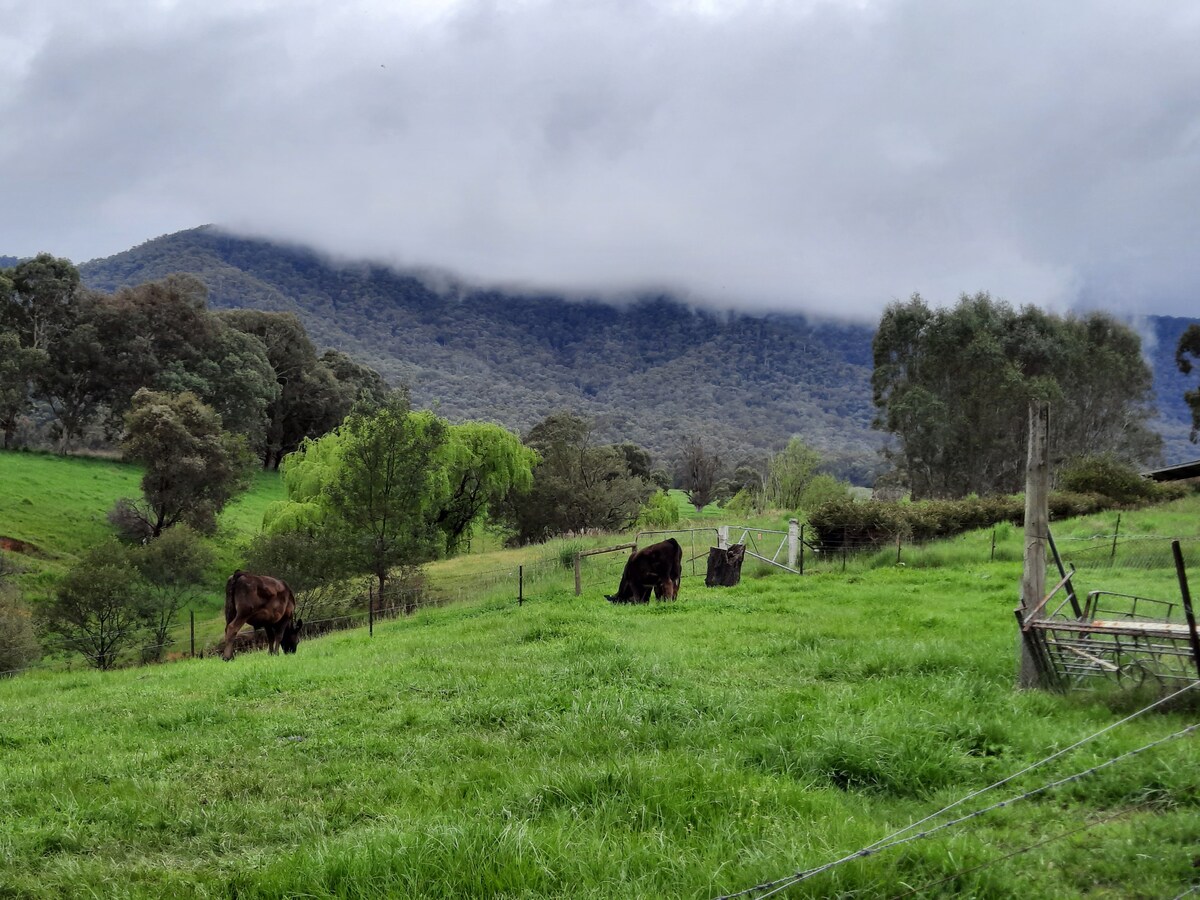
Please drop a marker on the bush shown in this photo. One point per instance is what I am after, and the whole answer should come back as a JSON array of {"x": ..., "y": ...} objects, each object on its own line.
[
  {"x": 823, "y": 489},
  {"x": 18, "y": 642},
  {"x": 660, "y": 511},
  {"x": 1109, "y": 476},
  {"x": 852, "y": 523}
]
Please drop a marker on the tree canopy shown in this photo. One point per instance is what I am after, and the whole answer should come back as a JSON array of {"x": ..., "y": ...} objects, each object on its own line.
[
  {"x": 952, "y": 386},
  {"x": 398, "y": 487}
]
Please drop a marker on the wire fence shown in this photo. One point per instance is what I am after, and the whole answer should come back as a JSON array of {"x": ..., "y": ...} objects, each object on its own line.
[{"x": 1099, "y": 556}]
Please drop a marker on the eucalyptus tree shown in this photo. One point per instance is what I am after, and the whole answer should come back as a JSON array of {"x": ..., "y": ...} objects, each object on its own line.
[{"x": 952, "y": 386}]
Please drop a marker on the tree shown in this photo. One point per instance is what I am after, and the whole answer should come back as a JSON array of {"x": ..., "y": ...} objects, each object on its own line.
[
  {"x": 17, "y": 367},
  {"x": 98, "y": 608},
  {"x": 577, "y": 485},
  {"x": 172, "y": 566},
  {"x": 699, "y": 473},
  {"x": 311, "y": 399},
  {"x": 953, "y": 385},
  {"x": 73, "y": 379},
  {"x": 789, "y": 473},
  {"x": 484, "y": 463},
  {"x": 1189, "y": 346},
  {"x": 193, "y": 467},
  {"x": 41, "y": 304}
]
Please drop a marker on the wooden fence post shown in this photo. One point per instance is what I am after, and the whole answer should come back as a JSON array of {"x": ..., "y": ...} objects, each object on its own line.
[
  {"x": 723, "y": 537},
  {"x": 1037, "y": 525},
  {"x": 793, "y": 541},
  {"x": 578, "y": 576}
]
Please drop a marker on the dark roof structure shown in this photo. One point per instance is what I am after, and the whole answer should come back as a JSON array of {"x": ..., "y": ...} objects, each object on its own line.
[{"x": 1176, "y": 473}]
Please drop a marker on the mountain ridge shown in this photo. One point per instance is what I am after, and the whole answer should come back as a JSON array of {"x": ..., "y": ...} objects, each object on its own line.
[{"x": 652, "y": 370}]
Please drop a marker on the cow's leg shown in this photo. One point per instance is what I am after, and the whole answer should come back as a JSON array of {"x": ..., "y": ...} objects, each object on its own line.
[
  {"x": 231, "y": 632},
  {"x": 274, "y": 636}
]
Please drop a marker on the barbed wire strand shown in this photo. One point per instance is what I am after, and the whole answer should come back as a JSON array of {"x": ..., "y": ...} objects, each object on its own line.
[
  {"x": 891, "y": 840},
  {"x": 1034, "y": 846}
]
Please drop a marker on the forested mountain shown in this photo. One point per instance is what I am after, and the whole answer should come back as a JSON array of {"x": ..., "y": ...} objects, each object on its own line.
[{"x": 652, "y": 371}]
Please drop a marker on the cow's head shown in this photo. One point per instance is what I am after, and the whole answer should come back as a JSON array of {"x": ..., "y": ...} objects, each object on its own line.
[{"x": 291, "y": 635}]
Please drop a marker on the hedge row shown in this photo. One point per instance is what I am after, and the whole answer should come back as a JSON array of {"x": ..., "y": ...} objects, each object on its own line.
[{"x": 857, "y": 523}]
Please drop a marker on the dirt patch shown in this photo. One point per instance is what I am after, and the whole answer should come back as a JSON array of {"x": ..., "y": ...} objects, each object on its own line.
[{"x": 12, "y": 545}]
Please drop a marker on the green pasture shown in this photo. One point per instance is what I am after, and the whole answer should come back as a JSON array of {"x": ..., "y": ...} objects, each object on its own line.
[
  {"x": 60, "y": 505},
  {"x": 571, "y": 748}
]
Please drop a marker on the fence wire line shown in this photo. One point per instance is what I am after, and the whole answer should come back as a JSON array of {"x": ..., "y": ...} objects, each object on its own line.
[
  {"x": 991, "y": 862},
  {"x": 894, "y": 839}
]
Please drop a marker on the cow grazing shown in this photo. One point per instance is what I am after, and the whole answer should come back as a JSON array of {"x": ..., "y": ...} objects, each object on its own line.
[
  {"x": 264, "y": 602},
  {"x": 656, "y": 568}
]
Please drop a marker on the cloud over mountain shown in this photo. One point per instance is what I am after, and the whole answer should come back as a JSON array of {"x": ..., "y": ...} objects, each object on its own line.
[{"x": 825, "y": 156}]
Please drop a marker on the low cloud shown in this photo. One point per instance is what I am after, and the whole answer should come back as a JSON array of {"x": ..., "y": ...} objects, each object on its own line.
[{"x": 820, "y": 156}]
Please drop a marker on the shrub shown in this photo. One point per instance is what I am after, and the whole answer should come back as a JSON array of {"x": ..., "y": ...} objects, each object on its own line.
[
  {"x": 18, "y": 642},
  {"x": 823, "y": 489},
  {"x": 660, "y": 511},
  {"x": 1107, "y": 475}
]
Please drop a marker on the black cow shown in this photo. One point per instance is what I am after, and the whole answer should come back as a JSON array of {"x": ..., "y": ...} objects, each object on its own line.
[
  {"x": 264, "y": 602},
  {"x": 655, "y": 568}
]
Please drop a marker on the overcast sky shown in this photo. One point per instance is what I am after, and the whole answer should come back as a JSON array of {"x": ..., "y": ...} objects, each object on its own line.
[{"x": 822, "y": 156}]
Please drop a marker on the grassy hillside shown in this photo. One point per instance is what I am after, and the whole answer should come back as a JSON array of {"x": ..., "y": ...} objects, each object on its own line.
[
  {"x": 59, "y": 504},
  {"x": 569, "y": 748}
]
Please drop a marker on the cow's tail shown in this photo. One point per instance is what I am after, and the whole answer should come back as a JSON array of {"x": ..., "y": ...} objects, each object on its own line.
[{"x": 230, "y": 606}]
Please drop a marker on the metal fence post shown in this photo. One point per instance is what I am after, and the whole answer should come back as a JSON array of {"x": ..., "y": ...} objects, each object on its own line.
[
  {"x": 520, "y": 585},
  {"x": 1116, "y": 532},
  {"x": 993, "y": 545},
  {"x": 801, "y": 549},
  {"x": 192, "y": 617},
  {"x": 371, "y": 611}
]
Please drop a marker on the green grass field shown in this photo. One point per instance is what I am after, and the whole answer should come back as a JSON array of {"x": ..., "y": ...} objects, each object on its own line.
[
  {"x": 571, "y": 748},
  {"x": 60, "y": 506}
]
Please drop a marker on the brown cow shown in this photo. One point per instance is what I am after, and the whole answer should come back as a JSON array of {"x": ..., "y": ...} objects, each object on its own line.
[
  {"x": 264, "y": 602},
  {"x": 658, "y": 567}
]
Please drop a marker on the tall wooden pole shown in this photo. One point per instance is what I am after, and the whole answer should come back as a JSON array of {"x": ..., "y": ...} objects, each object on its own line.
[{"x": 1037, "y": 527}]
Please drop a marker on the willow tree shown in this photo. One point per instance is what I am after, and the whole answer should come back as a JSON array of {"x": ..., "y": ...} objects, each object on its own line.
[{"x": 398, "y": 487}]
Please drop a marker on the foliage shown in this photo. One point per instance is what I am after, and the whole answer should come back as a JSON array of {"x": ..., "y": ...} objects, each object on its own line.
[
  {"x": 699, "y": 472},
  {"x": 18, "y": 365},
  {"x": 742, "y": 382},
  {"x": 821, "y": 489},
  {"x": 484, "y": 463},
  {"x": 578, "y": 485},
  {"x": 855, "y": 522},
  {"x": 99, "y": 607},
  {"x": 1186, "y": 350},
  {"x": 173, "y": 566},
  {"x": 193, "y": 467},
  {"x": 18, "y": 641},
  {"x": 789, "y": 473},
  {"x": 659, "y": 511},
  {"x": 397, "y": 487},
  {"x": 1107, "y": 475},
  {"x": 314, "y": 394},
  {"x": 953, "y": 386}
]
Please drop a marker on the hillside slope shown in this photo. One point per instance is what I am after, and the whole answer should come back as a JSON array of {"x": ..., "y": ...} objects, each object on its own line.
[
  {"x": 572, "y": 748},
  {"x": 652, "y": 371}
]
